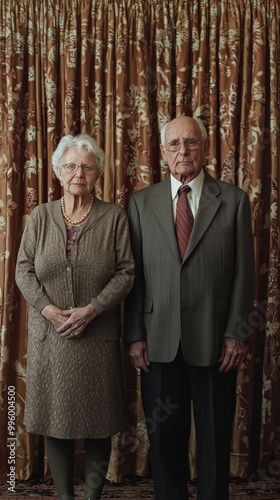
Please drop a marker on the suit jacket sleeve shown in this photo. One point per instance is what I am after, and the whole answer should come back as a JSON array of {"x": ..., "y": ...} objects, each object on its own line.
[
  {"x": 134, "y": 323},
  {"x": 239, "y": 325}
]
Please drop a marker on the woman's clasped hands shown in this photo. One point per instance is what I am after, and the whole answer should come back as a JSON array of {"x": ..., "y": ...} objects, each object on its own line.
[{"x": 70, "y": 324}]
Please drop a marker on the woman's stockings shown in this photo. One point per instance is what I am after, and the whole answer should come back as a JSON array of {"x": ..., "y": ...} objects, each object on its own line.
[
  {"x": 61, "y": 460},
  {"x": 97, "y": 456}
]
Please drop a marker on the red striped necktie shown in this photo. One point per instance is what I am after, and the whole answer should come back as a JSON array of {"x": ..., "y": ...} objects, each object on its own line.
[{"x": 184, "y": 220}]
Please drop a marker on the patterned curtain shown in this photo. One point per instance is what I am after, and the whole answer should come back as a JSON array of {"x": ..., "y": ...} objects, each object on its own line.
[{"x": 118, "y": 69}]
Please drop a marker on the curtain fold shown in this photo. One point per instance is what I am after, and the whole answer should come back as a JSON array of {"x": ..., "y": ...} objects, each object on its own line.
[{"x": 119, "y": 70}]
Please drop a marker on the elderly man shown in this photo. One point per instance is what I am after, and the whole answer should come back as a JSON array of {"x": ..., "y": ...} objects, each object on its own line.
[{"x": 187, "y": 314}]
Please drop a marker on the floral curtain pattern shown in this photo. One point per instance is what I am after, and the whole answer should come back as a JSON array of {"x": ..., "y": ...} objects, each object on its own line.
[{"x": 118, "y": 70}]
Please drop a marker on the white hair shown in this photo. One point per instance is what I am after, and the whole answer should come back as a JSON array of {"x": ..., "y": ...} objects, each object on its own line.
[
  {"x": 81, "y": 141},
  {"x": 197, "y": 120}
]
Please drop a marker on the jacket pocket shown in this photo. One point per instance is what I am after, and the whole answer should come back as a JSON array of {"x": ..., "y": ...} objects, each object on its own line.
[{"x": 148, "y": 306}]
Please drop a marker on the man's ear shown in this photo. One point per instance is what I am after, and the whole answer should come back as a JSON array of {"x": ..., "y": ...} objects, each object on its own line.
[
  {"x": 163, "y": 154},
  {"x": 206, "y": 144}
]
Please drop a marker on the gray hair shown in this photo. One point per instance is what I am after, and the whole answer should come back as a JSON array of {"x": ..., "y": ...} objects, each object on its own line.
[
  {"x": 197, "y": 120},
  {"x": 81, "y": 141}
]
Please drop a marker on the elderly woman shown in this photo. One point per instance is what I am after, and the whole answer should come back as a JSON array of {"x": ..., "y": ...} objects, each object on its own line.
[{"x": 74, "y": 269}]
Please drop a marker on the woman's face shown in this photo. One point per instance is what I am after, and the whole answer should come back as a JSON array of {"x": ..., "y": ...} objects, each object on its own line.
[{"x": 81, "y": 181}]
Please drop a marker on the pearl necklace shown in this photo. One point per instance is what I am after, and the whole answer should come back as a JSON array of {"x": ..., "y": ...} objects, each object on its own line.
[{"x": 75, "y": 223}]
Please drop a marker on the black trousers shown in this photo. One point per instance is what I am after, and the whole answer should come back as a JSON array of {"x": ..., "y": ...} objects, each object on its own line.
[{"x": 167, "y": 392}]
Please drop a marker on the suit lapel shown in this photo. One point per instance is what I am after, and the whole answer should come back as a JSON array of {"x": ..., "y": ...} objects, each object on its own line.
[
  {"x": 163, "y": 210},
  {"x": 208, "y": 206}
]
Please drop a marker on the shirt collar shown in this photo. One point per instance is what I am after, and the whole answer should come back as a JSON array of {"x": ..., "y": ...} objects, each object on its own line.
[{"x": 195, "y": 185}]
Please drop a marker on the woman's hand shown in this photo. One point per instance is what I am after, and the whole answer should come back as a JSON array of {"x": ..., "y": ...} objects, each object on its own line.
[
  {"x": 56, "y": 316},
  {"x": 77, "y": 321}
]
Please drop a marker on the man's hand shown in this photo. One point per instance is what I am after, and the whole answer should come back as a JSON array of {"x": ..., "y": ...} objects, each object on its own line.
[
  {"x": 233, "y": 354},
  {"x": 138, "y": 354}
]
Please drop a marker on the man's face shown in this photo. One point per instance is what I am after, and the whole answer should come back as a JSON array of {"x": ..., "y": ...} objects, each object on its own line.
[{"x": 185, "y": 163}]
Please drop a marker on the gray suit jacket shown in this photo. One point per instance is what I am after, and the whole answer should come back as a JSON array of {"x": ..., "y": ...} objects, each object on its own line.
[{"x": 209, "y": 295}]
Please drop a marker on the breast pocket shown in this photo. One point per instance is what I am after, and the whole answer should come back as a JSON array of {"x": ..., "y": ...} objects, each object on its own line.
[{"x": 219, "y": 230}]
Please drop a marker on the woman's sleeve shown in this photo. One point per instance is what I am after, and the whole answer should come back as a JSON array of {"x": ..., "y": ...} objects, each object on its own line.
[
  {"x": 25, "y": 275},
  {"x": 121, "y": 283}
]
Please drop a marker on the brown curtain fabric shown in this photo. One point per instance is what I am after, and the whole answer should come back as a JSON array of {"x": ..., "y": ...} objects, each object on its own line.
[{"x": 118, "y": 69}]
